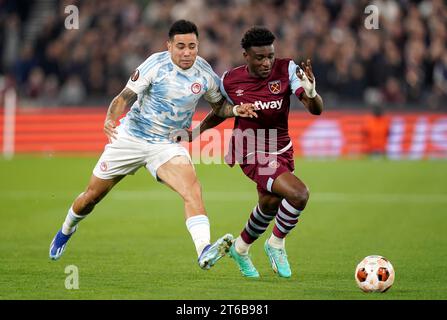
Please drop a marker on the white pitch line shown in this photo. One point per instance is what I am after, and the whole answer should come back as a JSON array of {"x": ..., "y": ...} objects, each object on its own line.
[{"x": 158, "y": 195}]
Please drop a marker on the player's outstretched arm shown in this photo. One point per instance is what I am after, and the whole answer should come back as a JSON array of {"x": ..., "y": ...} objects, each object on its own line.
[
  {"x": 224, "y": 109},
  {"x": 310, "y": 98},
  {"x": 211, "y": 120},
  {"x": 221, "y": 111},
  {"x": 126, "y": 98}
]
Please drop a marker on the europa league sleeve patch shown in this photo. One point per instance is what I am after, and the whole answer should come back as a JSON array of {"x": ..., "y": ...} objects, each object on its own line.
[{"x": 135, "y": 75}]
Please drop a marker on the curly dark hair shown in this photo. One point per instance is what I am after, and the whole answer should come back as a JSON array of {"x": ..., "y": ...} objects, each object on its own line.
[
  {"x": 182, "y": 27},
  {"x": 257, "y": 36}
]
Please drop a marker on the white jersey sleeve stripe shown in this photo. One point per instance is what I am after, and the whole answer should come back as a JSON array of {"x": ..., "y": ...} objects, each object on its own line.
[
  {"x": 295, "y": 82},
  {"x": 152, "y": 61},
  {"x": 204, "y": 65},
  {"x": 147, "y": 71},
  {"x": 212, "y": 94},
  {"x": 222, "y": 88}
]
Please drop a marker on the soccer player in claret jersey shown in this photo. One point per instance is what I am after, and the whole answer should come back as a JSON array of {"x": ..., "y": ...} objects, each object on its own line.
[
  {"x": 262, "y": 145},
  {"x": 163, "y": 93}
]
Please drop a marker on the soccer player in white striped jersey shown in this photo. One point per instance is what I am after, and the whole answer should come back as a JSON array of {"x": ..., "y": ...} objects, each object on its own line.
[{"x": 163, "y": 93}]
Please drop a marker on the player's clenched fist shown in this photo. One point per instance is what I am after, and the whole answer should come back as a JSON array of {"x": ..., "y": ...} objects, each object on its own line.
[{"x": 245, "y": 110}]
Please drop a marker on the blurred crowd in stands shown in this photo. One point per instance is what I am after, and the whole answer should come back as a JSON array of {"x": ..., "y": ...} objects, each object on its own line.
[{"x": 403, "y": 63}]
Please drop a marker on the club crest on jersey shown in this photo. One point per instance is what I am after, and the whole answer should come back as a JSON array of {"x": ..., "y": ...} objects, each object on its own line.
[
  {"x": 274, "y": 164},
  {"x": 239, "y": 92},
  {"x": 196, "y": 88},
  {"x": 275, "y": 86},
  {"x": 135, "y": 75},
  {"x": 103, "y": 166}
]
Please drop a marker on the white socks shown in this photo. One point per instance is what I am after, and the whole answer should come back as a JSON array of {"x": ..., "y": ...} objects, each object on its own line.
[
  {"x": 71, "y": 222},
  {"x": 241, "y": 246},
  {"x": 199, "y": 228},
  {"x": 275, "y": 242}
]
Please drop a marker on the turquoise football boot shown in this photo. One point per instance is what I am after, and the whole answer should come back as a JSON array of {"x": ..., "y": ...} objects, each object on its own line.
[
  {"x": 244, "y": 263},
  {"x": 278, "y": 260}
]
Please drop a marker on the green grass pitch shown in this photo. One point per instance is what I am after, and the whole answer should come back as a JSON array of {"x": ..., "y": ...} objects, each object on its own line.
[{"x": 135, "y": 244}]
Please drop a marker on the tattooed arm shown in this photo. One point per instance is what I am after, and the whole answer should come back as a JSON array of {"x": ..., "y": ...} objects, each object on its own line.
[
  {"x": 221, "y": 111},
  {"x": 211, "y": 120},
  {"x": 126, "y": 98},
  {"x": 224, "y": 109}
]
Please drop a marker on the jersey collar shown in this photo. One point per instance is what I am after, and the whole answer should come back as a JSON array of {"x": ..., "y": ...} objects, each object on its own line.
[{"x": 189, "y": 71}]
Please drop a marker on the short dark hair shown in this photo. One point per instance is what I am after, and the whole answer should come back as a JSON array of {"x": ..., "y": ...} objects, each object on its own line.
[
  {"x": 182, "y": 27},
  {"x": 257, "y": 36}
]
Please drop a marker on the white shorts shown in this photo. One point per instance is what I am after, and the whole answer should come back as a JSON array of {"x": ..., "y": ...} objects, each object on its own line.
[{"x": 126, "y": 154}]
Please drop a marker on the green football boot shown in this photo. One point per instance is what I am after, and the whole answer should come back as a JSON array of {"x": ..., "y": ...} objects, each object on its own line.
[
  {"x": 244, "y": 263},
  {"x": 278, "y": 260}
]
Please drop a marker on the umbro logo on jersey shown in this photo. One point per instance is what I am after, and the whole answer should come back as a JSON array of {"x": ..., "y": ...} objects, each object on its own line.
[
  {"x": 239, "y": 92},
  {"x": 135, "y": 75},
  {"x": 275, "y": 86},
  {"x": 196, "y": 88}
]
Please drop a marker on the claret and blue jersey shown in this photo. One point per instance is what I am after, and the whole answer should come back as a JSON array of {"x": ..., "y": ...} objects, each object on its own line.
[{"x": 271, "y": 98}]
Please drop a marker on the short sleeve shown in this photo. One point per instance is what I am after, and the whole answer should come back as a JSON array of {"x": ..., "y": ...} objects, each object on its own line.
[
  {"x": 213, "y": 94},
  {"x": 141, "y": 78},
  {"x": 222, "y": 88},
  {"x": 295, "y": 82}
]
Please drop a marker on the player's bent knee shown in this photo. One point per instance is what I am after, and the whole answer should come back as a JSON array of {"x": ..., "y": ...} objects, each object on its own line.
[
  {"x": 192, "y": 192},
  {"x": 271, "y": 211},
  {"x": 298, "y": 198},
  {"x": 270, "y": 207}
]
